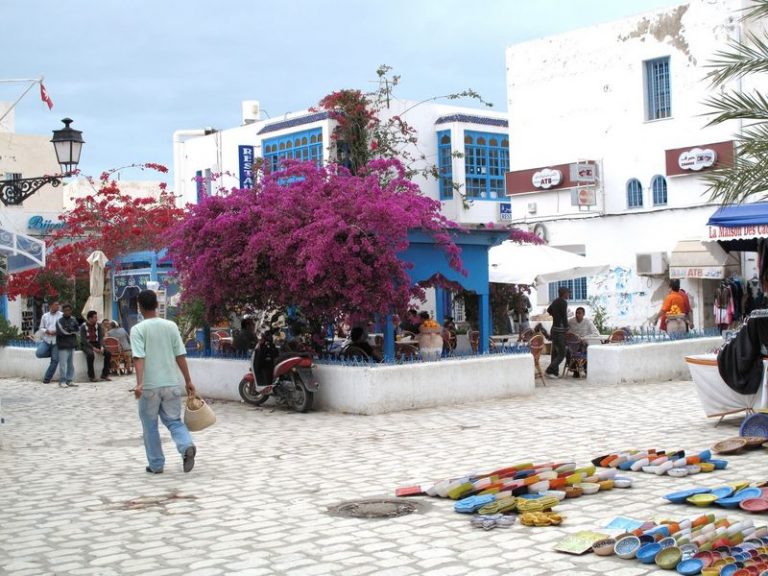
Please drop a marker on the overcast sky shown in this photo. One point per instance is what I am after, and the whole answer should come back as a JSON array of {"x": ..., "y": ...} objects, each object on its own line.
[{"x": 130, "y": 73}]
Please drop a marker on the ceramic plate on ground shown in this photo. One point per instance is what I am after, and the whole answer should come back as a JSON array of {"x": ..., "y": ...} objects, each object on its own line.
[
  {"x": 754, "y": 425},
  {"x": 682, "y": 495},
  {"x": 719, "y": 464},
  {"x": 755, "y": 441},
  {"x": 723, "y": 491},
  {"x": 747, "y": 493},
  {"x": 704, "y": 499},
  {"x": 690, "y": 567},
  {"x": 754, "y": 504},
  {"x": 730, "y": 446},
  {"x": 668, "y": 558}
]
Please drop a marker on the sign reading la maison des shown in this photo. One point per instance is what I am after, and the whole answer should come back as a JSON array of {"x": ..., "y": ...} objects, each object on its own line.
[{"x": 738, "y": 232}]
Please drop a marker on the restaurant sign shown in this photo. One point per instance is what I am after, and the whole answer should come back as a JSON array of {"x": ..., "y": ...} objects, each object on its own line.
[
  {"x": 697, "y": 159},
  {"x": 547, "y": 178},
  {"x": 737, "y": 232},
  {"x": 704, "y": 272},
  {"x": 505, "y": 212}
]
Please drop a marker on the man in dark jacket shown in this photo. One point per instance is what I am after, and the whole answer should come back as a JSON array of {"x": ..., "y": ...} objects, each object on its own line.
[
  {"x": 66, "y": 341},
  {"x": 559, "y": 312},
  {"x": 91, "y": 338}
]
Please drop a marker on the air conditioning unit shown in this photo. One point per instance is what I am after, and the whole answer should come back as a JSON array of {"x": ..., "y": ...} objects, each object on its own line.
[
  {"x": 251, "y": 111},
  {"x": 531, "y": 207},
  {"x": 651, "y": 264}
]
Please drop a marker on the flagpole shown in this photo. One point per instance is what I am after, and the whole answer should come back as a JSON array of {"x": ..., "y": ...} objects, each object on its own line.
[{"x": 32, "y": 82}]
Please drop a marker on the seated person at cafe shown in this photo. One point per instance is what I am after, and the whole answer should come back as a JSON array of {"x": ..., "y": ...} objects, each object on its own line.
[
  {"x": 411, "y": 322},
  {"x": 581, "y": 325},
  {"x": 359, "y": 340}
]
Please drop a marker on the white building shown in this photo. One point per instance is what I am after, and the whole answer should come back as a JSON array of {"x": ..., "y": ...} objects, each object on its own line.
[
  {"x": 607, "y": 140},
  {"x": 207, "y": 159}
]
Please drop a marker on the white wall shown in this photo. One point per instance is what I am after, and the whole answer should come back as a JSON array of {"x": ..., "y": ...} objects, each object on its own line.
[{"x": 581, "y": 96}]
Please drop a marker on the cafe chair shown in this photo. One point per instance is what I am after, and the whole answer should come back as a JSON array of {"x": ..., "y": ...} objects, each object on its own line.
[
  {"x": 617, "y": 336},
  {"x": 120, "y": 362},
  {"x": 406, "y": 352},
  {"x": 575, "y": 355},
  {"x": 536, "y": 345},
  {"x": 526, "y": 335},
  {"x": 352, "y": 352},
  {"x": 449, "y": 340}
]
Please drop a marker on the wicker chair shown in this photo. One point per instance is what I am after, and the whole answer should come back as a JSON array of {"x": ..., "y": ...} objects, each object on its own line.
[
  {"x": 536, "y": 344},
  {"x": 122, "y": 360},
  {"x": 474, "y": 340},
  {"x": 575, "y": 355}
]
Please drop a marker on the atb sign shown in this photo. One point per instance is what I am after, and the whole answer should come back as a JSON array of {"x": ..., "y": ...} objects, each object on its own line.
[{"x": 505, "y": 212}]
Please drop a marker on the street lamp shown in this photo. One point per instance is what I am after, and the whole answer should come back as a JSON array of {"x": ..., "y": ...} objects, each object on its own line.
[{"x": 68, "y": 143}]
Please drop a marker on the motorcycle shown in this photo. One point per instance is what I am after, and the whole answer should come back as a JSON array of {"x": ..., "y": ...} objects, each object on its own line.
[{"x": 279, "y": 370}]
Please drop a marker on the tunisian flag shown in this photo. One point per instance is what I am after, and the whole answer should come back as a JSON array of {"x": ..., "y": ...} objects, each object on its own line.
[{"x": 44, "y": 96}]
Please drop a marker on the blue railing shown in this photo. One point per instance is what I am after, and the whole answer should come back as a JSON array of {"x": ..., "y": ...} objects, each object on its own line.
[{"x": 653, "y": 335}]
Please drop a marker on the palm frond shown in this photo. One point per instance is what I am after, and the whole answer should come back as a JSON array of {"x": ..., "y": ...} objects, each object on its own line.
[
  {"x": 741, "y": 58},
  {"x": 737, "y": 106},
  {"x": 758, "y": 9},
  {"x": 745, "y": 178}
]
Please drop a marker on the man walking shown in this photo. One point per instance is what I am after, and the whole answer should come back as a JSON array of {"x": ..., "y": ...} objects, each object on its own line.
[
  {"x": 66, "y": 341},
  {"x": 158, "y": 355},
  {"x": 559, "y": 312},
  {"x": 48, "y": 326},
  {"x": 91, "y": 338}
]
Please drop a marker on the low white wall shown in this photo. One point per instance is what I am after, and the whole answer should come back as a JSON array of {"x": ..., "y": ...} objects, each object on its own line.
[
  {"x": 22, "y": 363},
  {"x": 632, "y": 363},
  {"x": 388, "y": 388},
  {"x": 352, "y": 389}
]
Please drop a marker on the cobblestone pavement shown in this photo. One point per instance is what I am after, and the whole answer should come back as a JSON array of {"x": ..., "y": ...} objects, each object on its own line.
[{"x": 75, "y": 499}]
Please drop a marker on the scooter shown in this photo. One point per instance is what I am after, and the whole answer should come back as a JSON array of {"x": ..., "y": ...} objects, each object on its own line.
[{"x": 281, "y": 372}]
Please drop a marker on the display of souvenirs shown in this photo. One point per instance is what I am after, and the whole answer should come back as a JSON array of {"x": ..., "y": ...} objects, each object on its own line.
[
  {"x": 738, "y": 494},
  {"x": 695, "y": 545},
  {"x": 675, "y": 463}
]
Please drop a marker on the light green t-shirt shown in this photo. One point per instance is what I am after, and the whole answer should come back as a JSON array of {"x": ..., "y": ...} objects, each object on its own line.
[{"x": 158, "y": 341}]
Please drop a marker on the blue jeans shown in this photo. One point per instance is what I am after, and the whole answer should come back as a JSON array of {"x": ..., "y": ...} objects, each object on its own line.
[
  {"x": 164, "y": 402},
  {"x": 53, "y": 365},
  {"x": 67, "y": 361}
]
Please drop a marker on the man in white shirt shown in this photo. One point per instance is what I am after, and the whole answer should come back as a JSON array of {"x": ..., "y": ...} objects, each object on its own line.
[
  {"x": 47, "y": 347},
  {"x": 582, "y": 326}
]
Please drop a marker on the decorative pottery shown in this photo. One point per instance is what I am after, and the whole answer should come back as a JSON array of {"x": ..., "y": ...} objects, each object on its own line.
[
  {"x": 702, "y": 499},
  {"x": 604, "y": 547},
  {"x": 683, "y": 495},
  {"x": 668, "y": 558},
  {"x": 679, "y": 472},
  {"x": 755, "y": 441},
  {"x": 755, "y": 425},
  {"x": 626, "y": 548},
  {"x": 647, "y": 553},
  {"x": 730, "y": 446},
  {"x": 690, "y": 567},
  {"x": 588, "y": 487}
]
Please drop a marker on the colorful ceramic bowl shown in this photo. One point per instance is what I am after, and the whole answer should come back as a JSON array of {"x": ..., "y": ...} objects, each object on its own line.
[
  {"x": 707, "y": 466},
  {"x": 604, "y": 547},
  {"x": 647, "y": 552},
  {"x": 678, "y": 472},
  {"x": 702, "y": 499},
  {"x": 690, "y": 567},
  {"x": 622, "y": 482},
  {"x": 668, "y": 558},
  {"x": 627, "y": 548},
  {"x": 588, "y": 487}
]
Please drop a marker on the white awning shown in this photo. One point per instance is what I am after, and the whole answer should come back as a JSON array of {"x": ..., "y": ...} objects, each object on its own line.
[{"x": 694, "y": 259}]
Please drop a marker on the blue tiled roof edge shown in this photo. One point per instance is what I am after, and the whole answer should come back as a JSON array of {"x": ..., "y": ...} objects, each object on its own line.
[{"x": 298, "y": 121}]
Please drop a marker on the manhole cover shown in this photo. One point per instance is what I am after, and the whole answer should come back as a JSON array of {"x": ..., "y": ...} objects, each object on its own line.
[{"x": 375, "y": 508}]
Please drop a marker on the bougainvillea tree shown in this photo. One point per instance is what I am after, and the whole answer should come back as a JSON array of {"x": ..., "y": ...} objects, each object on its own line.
[
  {"x": 107, "y": 220},
  {"x": 314, "y": 237}
]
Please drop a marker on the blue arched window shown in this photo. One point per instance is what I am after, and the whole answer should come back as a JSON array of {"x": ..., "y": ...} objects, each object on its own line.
[
  {"x": 634, "y": 193},
  {"x": 659, "y": 187}
]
